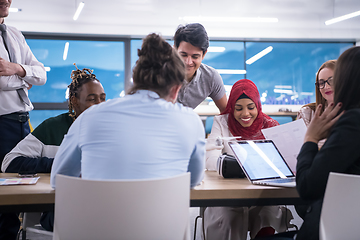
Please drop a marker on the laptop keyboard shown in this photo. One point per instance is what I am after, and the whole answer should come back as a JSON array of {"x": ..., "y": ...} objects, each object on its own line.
[{"x": 280, "y": 180}]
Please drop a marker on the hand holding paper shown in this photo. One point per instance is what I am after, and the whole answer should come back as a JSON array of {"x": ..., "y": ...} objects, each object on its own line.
[{"x": 288, "y": 138}]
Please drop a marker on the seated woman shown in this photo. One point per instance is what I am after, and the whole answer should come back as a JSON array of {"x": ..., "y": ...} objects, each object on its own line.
[
  {"x": 143, "y": 135},
  {"x": 340, "y": 153},
  {"x": 36, "y": 152},
  {"x": 324, "y": 93},
  {"x": 244, "y": 119}
]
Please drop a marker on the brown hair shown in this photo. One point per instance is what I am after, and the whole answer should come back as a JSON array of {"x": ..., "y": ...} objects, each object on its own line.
[
  {"x": 158, "y": 68},
  {"x": 347, "y": 79},
  {"x": 319, "y": 98},
  {"x": 79, "y": 78}
]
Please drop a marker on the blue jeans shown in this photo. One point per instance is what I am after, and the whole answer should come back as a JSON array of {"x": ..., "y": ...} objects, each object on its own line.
[{"x": 11, "y": 132}]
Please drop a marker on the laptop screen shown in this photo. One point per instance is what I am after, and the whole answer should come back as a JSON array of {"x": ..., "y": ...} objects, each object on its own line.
[{"x": 260, "y": 159}]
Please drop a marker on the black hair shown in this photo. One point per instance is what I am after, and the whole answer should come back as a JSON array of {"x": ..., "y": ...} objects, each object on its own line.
[
  {"x": 347, "y": 79},
  {"x": 79, "y": 78},
  {"x": 193, "y": 33},
  {"x": 158, "y": 68},
  {"x": 242, "y": 96}
]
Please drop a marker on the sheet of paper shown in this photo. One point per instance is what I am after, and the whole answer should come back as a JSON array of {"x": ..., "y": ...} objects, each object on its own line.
[
  {"x": 288, "y": 138},
  {"x": 18, "y": 181}
]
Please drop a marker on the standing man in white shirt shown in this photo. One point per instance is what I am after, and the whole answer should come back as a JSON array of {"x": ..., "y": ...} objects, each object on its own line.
[
  {"x": 202, "y": 81},
  {"x": 19, "y": 70}
]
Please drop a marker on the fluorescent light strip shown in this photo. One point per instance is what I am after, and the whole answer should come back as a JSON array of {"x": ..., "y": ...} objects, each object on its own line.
[
  {"x": 228, "y": 19},
  {"x": 259, "y": 55},
  {"x": 290, "y": 92},
  {"x": 307, "y": 93},
  {"x": 342, "y": 18},
  {"x": 14, "y": 10},
  {"x": 283, "y": 86},
  {"x": 267, "y": 160},
  {"x": 78, "y": 10},
  {"x": 216, "y": 49},
  {"x": 66, "y": 49},
  {"x": 231, "y": 71}
]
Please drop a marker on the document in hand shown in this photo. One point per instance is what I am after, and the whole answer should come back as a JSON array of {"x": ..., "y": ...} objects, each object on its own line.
[
  {"x": 288, "y": 138},
  {"x": 18, "y": 181}
]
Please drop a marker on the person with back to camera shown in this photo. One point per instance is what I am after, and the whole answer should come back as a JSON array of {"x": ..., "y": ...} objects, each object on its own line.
[
  {"x": 242, "y": 118},
  {"x": 143, "y": 135},
  {"x": 202, "y": 81},
  {"x": 36, "y": 152},
  {"x": 324, "y": 93},
  {"x": 340, "y": 124}
]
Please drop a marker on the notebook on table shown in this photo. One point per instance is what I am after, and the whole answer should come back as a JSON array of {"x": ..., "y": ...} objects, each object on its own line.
[
  {"x": 18, "y": 181},
  {"x": 262, "y": 163}
]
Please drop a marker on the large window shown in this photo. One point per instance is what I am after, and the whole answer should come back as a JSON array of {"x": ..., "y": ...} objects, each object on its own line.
[
  {"x": 106, "y": 58},
  {"x": 135, "y": 45},
  {"x": 228, "y": 58},
  {"x": 286, "y": 75}
]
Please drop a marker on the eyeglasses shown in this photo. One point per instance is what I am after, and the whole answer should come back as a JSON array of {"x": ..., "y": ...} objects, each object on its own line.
[{"x": 321, "y": 83}]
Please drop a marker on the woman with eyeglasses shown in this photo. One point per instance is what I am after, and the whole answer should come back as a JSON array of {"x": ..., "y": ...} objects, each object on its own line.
[
  {"x": 324, "y": 93},
  {"x": 340, "y": 124}
]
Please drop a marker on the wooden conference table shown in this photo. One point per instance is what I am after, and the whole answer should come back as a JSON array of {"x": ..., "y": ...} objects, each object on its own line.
[
  {"x": 214, "y": 191},
  {"x": 218, "y": 191},
  {"x": 27, "y": 198}
]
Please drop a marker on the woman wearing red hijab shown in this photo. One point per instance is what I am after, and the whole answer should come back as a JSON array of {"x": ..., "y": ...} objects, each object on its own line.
[{"x": 243, "y": 118}]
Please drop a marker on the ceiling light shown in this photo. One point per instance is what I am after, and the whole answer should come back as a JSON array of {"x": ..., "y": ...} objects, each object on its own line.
[
  {"x": 216, "y": 49},
  {"x": 290, "y": 92},
  {"x": 78, "y": 10},
  {"x": 231, "y": 71},
  {"x": 283, "y": 86},
  {"x": 307, "y": 93},
  {"x": 227, "y": 19},
  {"x": 66, "y": 49},
  {"x": 342, "y": 18},
  {"x": 259, "y": 55},
  {"x": 14, "y": 10}
]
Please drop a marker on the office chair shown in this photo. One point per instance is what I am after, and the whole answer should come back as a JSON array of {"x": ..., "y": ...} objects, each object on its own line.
[
  {"x": 201, "y": 215},
  {"x": 340, "y": 211},
  {"x": 122, "y": 209},
  {"x": 31, "y": 223}
]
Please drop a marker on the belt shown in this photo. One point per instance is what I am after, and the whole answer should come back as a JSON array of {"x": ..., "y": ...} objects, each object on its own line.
[{"x": 17, "y": 116}]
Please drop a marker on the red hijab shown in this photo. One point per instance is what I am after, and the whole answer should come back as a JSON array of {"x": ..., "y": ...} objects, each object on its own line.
[{"x": 247, "y": 87}]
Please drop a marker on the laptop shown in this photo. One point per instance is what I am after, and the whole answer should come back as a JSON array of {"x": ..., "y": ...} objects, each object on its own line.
[{"x": 262, "y": 163}]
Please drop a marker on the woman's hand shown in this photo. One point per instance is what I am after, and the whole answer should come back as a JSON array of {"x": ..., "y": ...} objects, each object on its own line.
[{"x": 320, "y": 125}]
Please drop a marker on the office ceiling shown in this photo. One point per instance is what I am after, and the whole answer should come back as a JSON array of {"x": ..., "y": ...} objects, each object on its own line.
[{"x": 298, "y": 19}]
